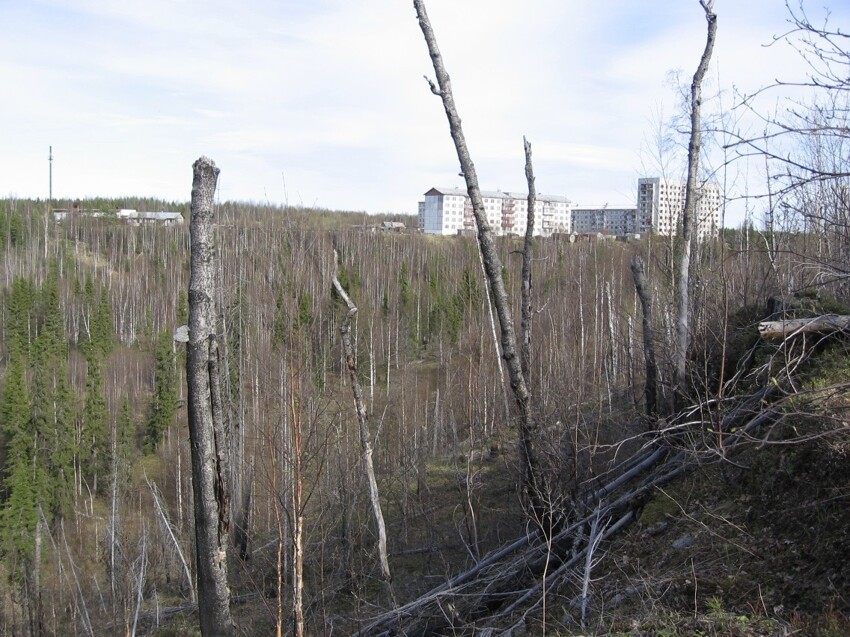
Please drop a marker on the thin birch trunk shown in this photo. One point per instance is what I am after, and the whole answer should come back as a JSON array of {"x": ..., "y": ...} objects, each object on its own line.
[{"x": 683, "y": 322}]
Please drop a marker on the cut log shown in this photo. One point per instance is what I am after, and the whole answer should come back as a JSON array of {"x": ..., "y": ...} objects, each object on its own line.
[{"x": 826, "y": 324}]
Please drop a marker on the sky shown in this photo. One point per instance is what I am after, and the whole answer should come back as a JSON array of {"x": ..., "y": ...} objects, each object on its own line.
[{"x": 323, "y": 102}]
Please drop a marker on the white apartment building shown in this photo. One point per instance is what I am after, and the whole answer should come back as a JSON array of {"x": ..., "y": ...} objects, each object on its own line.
[
  {"x": 661, "y": 202},
  {"x": 595, "y": 219},
  {"x": 449, "y": 211}
]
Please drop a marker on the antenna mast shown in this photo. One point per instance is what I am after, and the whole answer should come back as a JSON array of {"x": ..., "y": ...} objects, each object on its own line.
[{"x": 50, "y": 160}]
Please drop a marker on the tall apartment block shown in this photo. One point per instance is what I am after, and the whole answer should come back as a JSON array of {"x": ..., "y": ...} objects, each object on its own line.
[
  {"x": 449, "y": 211},
  {"x": 661, "y": 202}
]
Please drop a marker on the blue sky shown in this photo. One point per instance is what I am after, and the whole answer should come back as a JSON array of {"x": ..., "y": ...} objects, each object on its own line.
[{"x": 322, "y": 102}]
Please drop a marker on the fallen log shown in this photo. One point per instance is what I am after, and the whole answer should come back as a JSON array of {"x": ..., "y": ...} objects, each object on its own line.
[
  {"x": 510, "y": 580},
  {"x": 826, "y": 324}
]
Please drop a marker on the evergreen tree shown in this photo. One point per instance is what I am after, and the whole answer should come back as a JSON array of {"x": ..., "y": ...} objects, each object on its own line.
[
  {"x": 125, "y": 441},
  {"x": 183, "y": 308},
  {"x": 93, "y": 432},
  {"x": 51, "y": 323},
  {"x": 304, "y": 317},
  {"x": 102, "y": 329},
  {"x": 20, "y": 303},
  {"x": 23, "y": 479},
  {"x": 52, "y": 420},
  {"x": 404, "y": 294},
  {"x": 164, "y": 405},
  {"x": 280, "y": 326}
]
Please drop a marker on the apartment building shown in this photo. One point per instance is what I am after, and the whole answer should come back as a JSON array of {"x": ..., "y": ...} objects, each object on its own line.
[
  {"x": 449, "y": 211},
  {"x": 596, "y": 219},
  {"x": 661, "y": 202}
]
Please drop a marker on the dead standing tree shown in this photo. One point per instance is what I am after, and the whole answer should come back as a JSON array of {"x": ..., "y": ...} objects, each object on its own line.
[
  {"x": 531, "y": 471},
  {"x": 206, "y": 427},
  {"x": 645, "y": 295},
  {"x": 683, "y": 319},
  {"x": 363, "y": 421},
  {"x": 526, "y": 309}
]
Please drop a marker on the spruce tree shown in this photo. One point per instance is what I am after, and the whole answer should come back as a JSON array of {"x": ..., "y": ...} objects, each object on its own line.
[
  {"x": 123, "y": 444},
  {"x": 103, "y": 331},
  {"x": 164, "y": 405},
  {"x": 19, "y": 304},
  {"x": 22, "y": 478},
  {"x": 93, "y": 432}
]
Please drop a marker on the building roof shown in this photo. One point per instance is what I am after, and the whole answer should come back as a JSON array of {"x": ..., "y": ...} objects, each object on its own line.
[{"x": 495, "y": 194}]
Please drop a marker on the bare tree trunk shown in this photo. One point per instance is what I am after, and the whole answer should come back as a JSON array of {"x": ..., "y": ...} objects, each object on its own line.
[
  {"x": 683, "y": 323},
  {"x": 363, "y": 420},
  {"x": 206, "y": 433},
  {"x": 650, "y": 392},
  {"x": 532, "y": 482},
  {"x": 297, "y": 496},
  {"x": 525, "y": 305}
]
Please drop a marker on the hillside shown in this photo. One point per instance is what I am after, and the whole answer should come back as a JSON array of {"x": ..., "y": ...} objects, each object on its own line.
[{"x": 96, "y": 531}]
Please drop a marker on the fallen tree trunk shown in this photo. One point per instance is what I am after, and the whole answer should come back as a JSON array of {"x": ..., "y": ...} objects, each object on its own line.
[
  {"x": 510, "y": 580},
  {"x": 826, "y": 324}
]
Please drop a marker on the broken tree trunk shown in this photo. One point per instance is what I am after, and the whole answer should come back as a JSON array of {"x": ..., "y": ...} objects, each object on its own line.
[
  {"x": 526, "y": 314},
  {"x": 206, "y": 429},
  {"x": 826, "y": 324}
]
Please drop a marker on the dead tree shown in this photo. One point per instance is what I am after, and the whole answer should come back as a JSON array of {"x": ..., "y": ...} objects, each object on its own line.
[
  {"x": 683, "y": 319},
  {"x": 526, "y": 314},
  {"x": 528, "y": 426},
  {"x": 650, "y": 391},
  {"x": 826, "y": 324},
  {"x": 206, "y": 428},
  {"x": 363, "y": 421}
]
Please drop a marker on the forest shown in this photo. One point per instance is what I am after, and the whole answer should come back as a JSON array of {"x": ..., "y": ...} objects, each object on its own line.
[{"x": 393, "y": 467}]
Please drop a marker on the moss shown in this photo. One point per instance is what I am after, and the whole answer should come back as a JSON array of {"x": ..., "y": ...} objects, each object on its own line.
[{"x": 658, "y": 509}]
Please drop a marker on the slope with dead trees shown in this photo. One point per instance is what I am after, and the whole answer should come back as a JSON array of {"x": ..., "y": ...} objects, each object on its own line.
[{"x": 533, "y": 482}]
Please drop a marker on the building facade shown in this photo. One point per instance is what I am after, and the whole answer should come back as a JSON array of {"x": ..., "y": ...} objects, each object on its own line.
[
  {"x": 449, "y": 211},
  {"x": 661, "y": 202},
  {"x": 605, "y": 220}
]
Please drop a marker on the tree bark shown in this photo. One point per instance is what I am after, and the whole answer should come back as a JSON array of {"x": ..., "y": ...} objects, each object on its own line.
[
  {"x": 532, "y": 481},
  {"x": 526, "y": 314},
  {"x": 650, "y": 391},
  {"x": 206, "y": 432},
  {"x": 683, "y": 323},
  {"x": 826, "y": 324}
]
